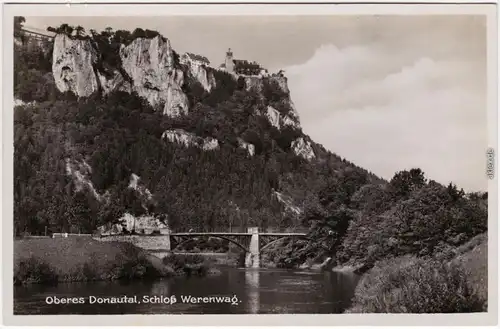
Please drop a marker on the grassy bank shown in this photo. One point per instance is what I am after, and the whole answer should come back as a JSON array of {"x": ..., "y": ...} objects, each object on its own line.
[
  {"x": 453, "y": 281},
  {"x": 82, "y": 259}
]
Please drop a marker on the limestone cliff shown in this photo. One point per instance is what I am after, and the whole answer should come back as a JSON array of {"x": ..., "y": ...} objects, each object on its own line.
[
  {"x": 150, "y": 64},
  {"x": 148, "y": 67},
  {"x": 198, "y": 70},
  {"x": 73, "y": 62}
]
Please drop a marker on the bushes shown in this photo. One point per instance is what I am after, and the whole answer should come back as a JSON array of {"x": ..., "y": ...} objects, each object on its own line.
[
  {"x": 33, "y": 270},
  {"x": 187, "y": 264},
  {"x": 80, "y": 260},
  {"x": 413, "y": 285}
]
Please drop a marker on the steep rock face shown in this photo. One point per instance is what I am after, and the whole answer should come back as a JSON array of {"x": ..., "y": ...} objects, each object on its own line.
[
  {"x": 150, "y": 65},
  {"x": 278, "y": 121},
  {"x": 303, "y": 148},
  {"x": 198, "y": 71},
  {"x": 189, "y": 139},
  {"x": 73, "y": 65},
  {"x": 206, "y": 79},
  {"x": 148, "y": 62},
  {"x": 116, "y": 82}
]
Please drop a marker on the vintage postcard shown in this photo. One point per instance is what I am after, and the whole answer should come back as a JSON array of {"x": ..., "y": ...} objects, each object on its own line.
[{"x": 225, "y": 164}]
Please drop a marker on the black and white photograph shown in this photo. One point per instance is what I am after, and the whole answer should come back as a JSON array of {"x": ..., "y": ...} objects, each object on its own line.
[{"x": 252, "y": 164}]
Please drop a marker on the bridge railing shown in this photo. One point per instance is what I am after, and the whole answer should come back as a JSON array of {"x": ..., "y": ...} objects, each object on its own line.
[{"x": 245, "y": 230}]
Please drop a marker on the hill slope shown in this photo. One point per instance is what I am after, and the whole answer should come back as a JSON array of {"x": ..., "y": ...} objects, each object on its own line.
[{"x": 118, "y": 122}]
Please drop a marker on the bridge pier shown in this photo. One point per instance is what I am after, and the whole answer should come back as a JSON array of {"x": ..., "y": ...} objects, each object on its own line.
[{"x": 252, "y": 258}]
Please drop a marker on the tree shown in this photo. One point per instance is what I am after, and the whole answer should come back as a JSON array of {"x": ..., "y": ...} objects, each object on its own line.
[
  {"x": 65, "y": 29},
  {"x": 454, "y": 192},
  {"x": 404, "y": 182},
  {"x": 18, "y": 26},
  {"x": 80, "y": 31}
]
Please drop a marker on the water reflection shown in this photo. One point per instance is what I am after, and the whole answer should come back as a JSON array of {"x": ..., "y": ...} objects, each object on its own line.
[
  {"x": 253, "y": 293},
  {"x": 160, "y": 288},
  {"x": 259, "y": 291}
]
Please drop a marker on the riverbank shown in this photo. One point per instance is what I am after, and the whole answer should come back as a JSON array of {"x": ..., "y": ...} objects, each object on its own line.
[
  {"x": 455, "y": 280},
  {"x": 80, "y": 259}
]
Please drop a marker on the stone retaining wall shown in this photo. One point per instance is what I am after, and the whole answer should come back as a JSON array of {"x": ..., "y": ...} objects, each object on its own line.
[{"x": 147, "y": 242}]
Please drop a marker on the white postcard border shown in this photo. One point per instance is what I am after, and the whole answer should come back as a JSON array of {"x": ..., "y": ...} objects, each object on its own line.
[{"x": 92, "y": 9}]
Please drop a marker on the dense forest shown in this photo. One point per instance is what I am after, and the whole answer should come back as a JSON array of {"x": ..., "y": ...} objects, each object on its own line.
[{"x": 350, "y": 214}]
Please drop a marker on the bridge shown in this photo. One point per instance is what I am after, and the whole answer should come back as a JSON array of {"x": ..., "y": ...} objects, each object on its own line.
[
  {"x": 249, "y": 242},
  {"x": 253, "y": 249}
]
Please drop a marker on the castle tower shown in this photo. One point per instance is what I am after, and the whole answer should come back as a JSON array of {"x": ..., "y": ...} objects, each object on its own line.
[{"x": 229, "y": 61}]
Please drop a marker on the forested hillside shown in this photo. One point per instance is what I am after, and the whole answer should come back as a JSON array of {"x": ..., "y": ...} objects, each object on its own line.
[{"x": 351, "y": 214}]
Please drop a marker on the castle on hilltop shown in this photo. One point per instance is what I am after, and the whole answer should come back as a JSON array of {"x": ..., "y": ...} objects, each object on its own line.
[
  {"x": 242, "y": 67},
  {"x": 34, "y": 38}
]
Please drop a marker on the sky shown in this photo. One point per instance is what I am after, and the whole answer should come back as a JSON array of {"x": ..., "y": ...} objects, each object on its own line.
[{"x": 385, "y": 92}]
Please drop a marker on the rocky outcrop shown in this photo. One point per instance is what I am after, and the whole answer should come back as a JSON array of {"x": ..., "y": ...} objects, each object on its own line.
[
  {"x": 80, "y": 171},
  {"x": 278, "y": 121},
  {"x": 189, "y": 139},
  {"x": 247, "y": 146},
  {"x": 205, "y": 78},
  {"x": 303, "y": 148},
  {"x": 288, "y": 121},
  {"x": 73, "y": 63},
  {"x": 282, "y": 82},
  {"x": 253, "y": 83},
  {"x": 145, "y": 195},
  {"x": 150, "y": 64},
  {"x": 20, "y": 102},
  {"x": 198, "y": 70},
  {"x": 273, "y": 116},
  {"x": 128, "y": 223},
  {"x": 288, "y": 203}
]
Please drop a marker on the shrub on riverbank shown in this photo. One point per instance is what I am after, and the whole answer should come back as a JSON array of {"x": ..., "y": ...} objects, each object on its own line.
[
  {"x": 33, "y": 270},
  {"x": 82, "y": 259},
  {"x": 414, "y": 285},
  {"x": 189, "y": 264}
]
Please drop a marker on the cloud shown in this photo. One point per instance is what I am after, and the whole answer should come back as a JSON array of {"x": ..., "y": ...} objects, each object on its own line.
[{"x": 387, "y": 112}]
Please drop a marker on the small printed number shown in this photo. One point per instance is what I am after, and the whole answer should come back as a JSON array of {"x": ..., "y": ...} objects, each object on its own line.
[{"x": 490, "y": 163}]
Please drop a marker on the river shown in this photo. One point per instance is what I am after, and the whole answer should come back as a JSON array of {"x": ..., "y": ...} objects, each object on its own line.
[{"x": 240, "y": 291}]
